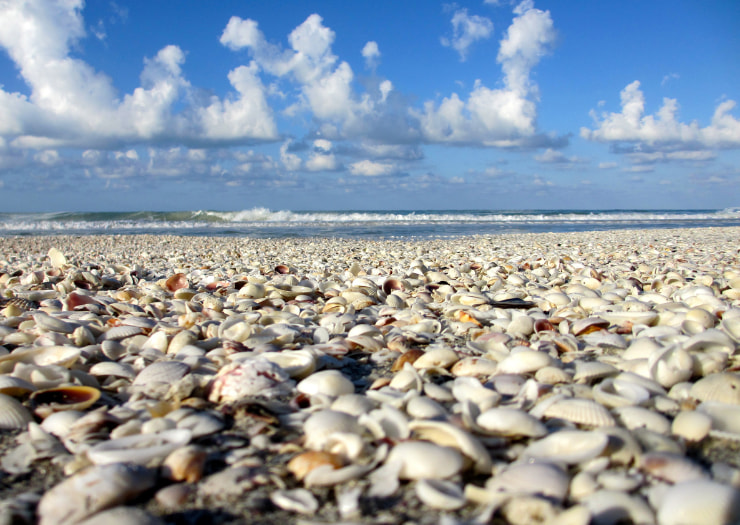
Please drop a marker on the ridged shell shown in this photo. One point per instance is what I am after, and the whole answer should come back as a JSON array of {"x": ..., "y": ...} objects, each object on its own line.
[
  {"x": 161, "y": 372},
  {"x": 112, "y": 368},
  {"x": 687, "y": 503},
  {"x": 580, "y": 411},
  {"x": 510, "y": 422},
  {"x": 723, "y": 387},
  {"x": 13, "y": 415},
  {"x": 118, "y": 333}
]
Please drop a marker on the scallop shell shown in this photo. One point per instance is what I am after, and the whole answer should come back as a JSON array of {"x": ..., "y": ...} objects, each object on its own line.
[
  {"x": 567, "y": 446},
  {"x": 161, "y": 372},
  {"x": 13, "y": 415},
  {"x": 580, "y": 411},
  {"x": 723, "y": 387},
  {"x": 117, "y": 333}
]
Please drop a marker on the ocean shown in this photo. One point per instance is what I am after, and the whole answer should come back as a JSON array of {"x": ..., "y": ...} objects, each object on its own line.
[{"x": 420, "y": 224}]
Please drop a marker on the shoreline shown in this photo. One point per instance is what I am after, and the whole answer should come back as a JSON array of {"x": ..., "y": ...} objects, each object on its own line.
[{"x": 525, "y": 322}]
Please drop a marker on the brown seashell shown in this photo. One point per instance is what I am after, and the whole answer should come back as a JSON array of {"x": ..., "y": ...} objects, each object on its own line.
[
  {"x": 392, "y": 284},
  {"x": 541, "y": 325},
  {"x": 407, "y": 357},
  {"x": 304, "y": 463},
  {"x": 465, "y": 317},
  {"x": 282, "y": 269},
  {"x": 45, "y": 402},
  {"x": 75, "y": 299},
  {"x": 185, "y": 464},
  {"x": 176, "y": 282}
]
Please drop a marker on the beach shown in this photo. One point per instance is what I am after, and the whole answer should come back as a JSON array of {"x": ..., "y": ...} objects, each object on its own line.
[{"x": 565, "y": 377}]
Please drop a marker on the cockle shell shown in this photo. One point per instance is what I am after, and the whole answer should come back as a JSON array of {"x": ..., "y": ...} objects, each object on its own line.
[
  {"x": 687, "y": 503},
  {"x": 723, "y": 387},
  {"x": 13, "y": 415},
  {"x": 580, "y": 411}
]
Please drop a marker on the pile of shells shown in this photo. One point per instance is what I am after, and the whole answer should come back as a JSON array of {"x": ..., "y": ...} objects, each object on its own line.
[{"x": 567, "y": 379}]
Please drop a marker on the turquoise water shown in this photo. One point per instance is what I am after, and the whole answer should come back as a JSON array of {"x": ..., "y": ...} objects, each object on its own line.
[{"x": 264, "y": 223}]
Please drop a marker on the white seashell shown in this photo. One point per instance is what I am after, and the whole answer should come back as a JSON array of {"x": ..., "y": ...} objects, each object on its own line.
[
  {"x": 112, "y": 368},
  {"x": 523, "y": 510},
  {"x": 474, "y": 366},
  {"x": 15, "y": 386},
  {"x": 725, "y": 417},
  {"x": 552, "y": 375},
  {"x": 323, "y": 423},
  {"x": 610, "y": 507},
  {"x": 201, "y": 424},
  {"x": 723, "y": 387},
  {"x": 615, "y": 392},
  {"x": 166, "y": 372},
  {"x": 255, "y": 377},
  {"x": 633, "y": 417},
  {"x": 670, "y": 467},
  {"x": 442, "y": 357},
  {"x": 670, "y": 365},
  {"x": 295, "y": 500},
  {"x": 298, "y": 364},
  {"x": 139, "y": 449},
  {"x": 580, "y": 411},
  {"x": 470, "y": 389},
  {"x": 387, "y": 422},
  {"x": 57, "y": 258},
  {"x": 440, "y": 494},
  {"x": 413, "y": 457},
  {"x": 52, "y": 324},
  {"x": 535, "y": 479},
  {"x": 587, "y": 371},
  {"x": 353, "y": 404},
  {"x": 567, "y": 446},
  {"x": 407, "y": 379},
  {"x": 59, "y": 423},
  {"x": 449, "y": 435},
  {"x": 13, "y": 415},
  {"x": 422, "y": 407},
  {"x": 43, "y": 356},
  {"x": 524, "y": 362},
  {"x": 118, "y": 333},
  {"x": 691, "y": 425},
  {"x": 330, "y": 383},
  {"x": 510, "y": 422},
  {"x": 689, "y": 502},
  {"x": 92, "y": 490}
]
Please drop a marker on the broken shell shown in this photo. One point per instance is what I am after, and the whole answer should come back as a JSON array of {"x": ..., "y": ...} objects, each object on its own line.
[
  {"x": 295, "y": 500},
  {"x": 440, "y": 494},
  {"x": 176, "y": 282},
  {"x": 254, "y": 377},
  {"x": 72, "y": 397},
  {"x": 447, "y": 434}
]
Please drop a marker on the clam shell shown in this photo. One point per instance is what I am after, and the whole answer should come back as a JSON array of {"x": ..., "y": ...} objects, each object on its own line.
[
  {"x": 13, "y": 415},
  {"x": 686, "y": 503},
  {"x": 72, "y": 397},
  {"x": 670, "y": 467},
  {"x": 440, "y": 494},
  {"x": 691, "y": 425},
  {"x": 330, "y": 383},
  {"x": 613, "y": 507},
  {"x": 447, "y": 434},
  {"x": 633, "y": 417},
  {"x": 15, "y": 386},
  {"x": 413, "y": 457},
  {"x": 442, "y": 357},
  {"x": 298, "y": 364},
  {"x": 321, "y": 424},
  {"x": 64, "y": 356},
  {"x": 510, "y": 422},
  {"x": 535, "y": 479},
  {"x": 567, "y": 446},
  {"x": 723, "y": 387},
  {"x": 295, "y": 500},
  {"x": 139, "y": 449},
  {"x": 524, "y": 362},
  {"x": 161, "y": 372}
]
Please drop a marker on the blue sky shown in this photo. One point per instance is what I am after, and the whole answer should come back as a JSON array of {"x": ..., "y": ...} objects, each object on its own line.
[{"x": 368, "y": 105}]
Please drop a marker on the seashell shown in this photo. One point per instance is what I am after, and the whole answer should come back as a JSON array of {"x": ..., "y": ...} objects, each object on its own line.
[
  {"x": 59, "y": 423},
  {"x": 112, "y": 368},
  {"x": 510, "y": 422},
  {"x": 580, "y": 411},
  {"x": 353, "y": 404},
  {"x": 474, "y": 366},
  {"x": 201, "y": 423},
  {"x": 552, "y": 375},
  {"x": 422, "y": 407},
  {"x": 391, "y": 285},
  {"x": 449, "y": 435},
  {"x": 295, "y": 500},
  {"x": 304, "y": 463},
  {"x": 413, "y": 458},
  {"x": 330, "y": 383},
  {"x": 587, "y": 371},
  {"x": 686, "y": 503},
  {"x": 118, "y": 333},
  {"x": 589, "y": 325},
  {"x": 407, "y": 357},
  {"x": 523, "y": 510},
  {"x": 166, "y": 372},
  {"x": 42, "y": 356},
  {"x": 670, "y": 467},
  {"x": 725, "y": 417},
  {"x": 634, "y": 417},
  {"x": 567, "y": 446},
  {"x": 15, "y": 386},
  {"x": 13, "y": 415},
  {"x": 298, "y": 364},
  {"x": 176, "y": 282},
  {"x": 616, "y": 392},
  {"x": 691, "y": 425},
  {"x": 731, "y": 326},
  {"x": 185, "y": 464},
  {"x": 92, "y": 490},
  {"x": 440, "y": 494},
  {"x": 534, "y": 479},
  {"x": 73, "y": 397},
  {"x": 723, "y": 387},
  {"x": 52, "y": 324},
  {"x": 611, "y": 507},
  {"x": 250, "y": 378},
  {"x": 122, "y": 516},
  {"x": 521, "y": 326},
  {"x": 57, "y": 258},
  {"x": 671, "y": 365},
  {"x": 320, "y": 425},
  {"x": 139, "y": 449},
  {"x": 406, "y": 379},
  {"x": 441, "y": 357},
  {"x": 524, "y": 362}
]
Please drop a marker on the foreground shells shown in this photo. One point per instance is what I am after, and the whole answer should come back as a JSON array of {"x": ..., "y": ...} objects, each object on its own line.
[{"x": 568, "y": 378}]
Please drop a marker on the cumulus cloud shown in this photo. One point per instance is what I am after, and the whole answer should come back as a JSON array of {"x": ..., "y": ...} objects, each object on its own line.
[
  {"x": 552, "y": 156},
  {"x": 663, "y": 131},
  {"x": 370, "y": 168},
  {"x": 371, "y": 54},
  {"x": 466, "y": 29},
  {"x": 72, "y": 104},
  {"x": 503, "y": 117}
]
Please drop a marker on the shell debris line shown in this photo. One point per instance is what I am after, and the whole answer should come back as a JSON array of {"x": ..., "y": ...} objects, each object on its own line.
[{"x": 568, "y": 378}]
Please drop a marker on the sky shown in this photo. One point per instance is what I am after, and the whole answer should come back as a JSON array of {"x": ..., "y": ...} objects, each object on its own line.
[{"x": 368, "y": 105}]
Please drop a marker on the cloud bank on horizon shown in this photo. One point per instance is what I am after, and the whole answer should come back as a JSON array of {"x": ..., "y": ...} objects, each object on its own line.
[{"x": 293, "y": 109}]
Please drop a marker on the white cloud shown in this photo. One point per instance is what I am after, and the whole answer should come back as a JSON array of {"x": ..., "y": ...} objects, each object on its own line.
[
  {"x": 322, "y": 145},
  {"x": 466, "y": 29},
  {"x": 669, "y": 77},
  {"x": 370, "y": 168},
  {"x": 291, "y": 161},
  {"x": 607, "y": 165},
  {"x": 322, "y": 162},
  {"x": 551, "y": 156},
  {"x": 371, "y": 54},
  {"x": 502, "y": 117},
  {"x": 663, "y": 131},
  {"x": 71, "y": 104}
]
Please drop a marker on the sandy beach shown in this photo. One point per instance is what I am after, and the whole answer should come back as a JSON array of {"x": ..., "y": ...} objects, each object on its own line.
[{"x": 571, "y": 378}]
